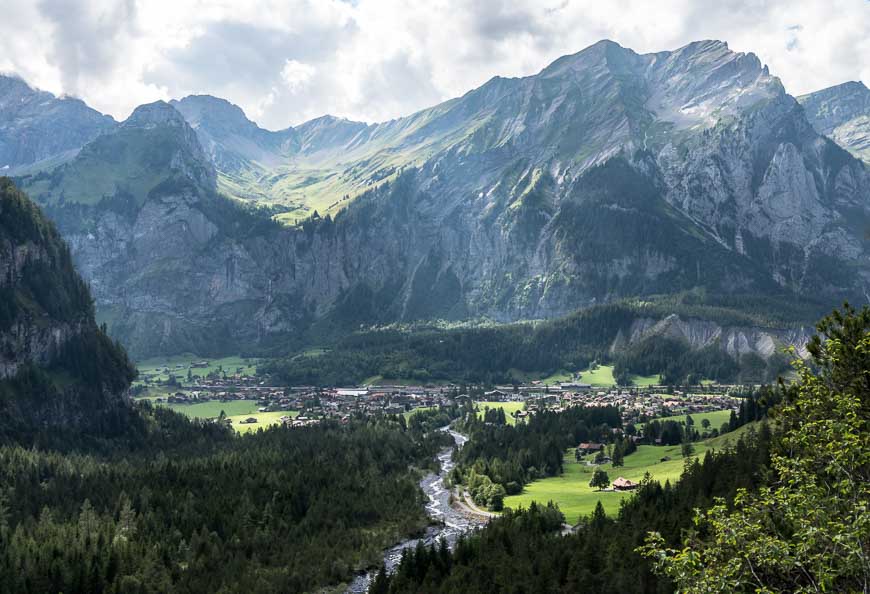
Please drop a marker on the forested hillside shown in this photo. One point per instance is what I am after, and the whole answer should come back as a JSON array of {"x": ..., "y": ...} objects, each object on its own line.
[
  {"x": 192, "y": 508},
  {"x": 683, "y": 337},
  {"x": 59, "y": 372}
]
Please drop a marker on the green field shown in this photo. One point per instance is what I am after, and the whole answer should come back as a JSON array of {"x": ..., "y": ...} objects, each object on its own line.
[
  {"x": 410, "y": 413},
  {"x": 509, "y": 409},
  {"x": 213, "y": 408},
  {"x": 264, "y": 420},
  {"x": 716, "y": 418},
  {"x": 235, "y": 410},
  {"x": 601, "y": 376},
  {"x": 576, "y": 498},
  {"x": 154, "y": 366}
]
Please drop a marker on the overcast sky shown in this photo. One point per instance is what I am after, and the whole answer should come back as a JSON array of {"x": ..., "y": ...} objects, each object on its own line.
[{"x": 286, "y": 61}]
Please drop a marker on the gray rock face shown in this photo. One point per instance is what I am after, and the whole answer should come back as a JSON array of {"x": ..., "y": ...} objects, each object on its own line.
[
  {"x": 25, "y": 340},
  {"x": 609, "y": 174},
  {"x": 842, "y": 113},
  {"x": 36, "y": 126},
  {"x": 733, "y": 340}
]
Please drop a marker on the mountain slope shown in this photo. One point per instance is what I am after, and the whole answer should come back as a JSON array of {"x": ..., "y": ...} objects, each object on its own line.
[
  {"x": 610, "y": 174},
  {"x": 842, "y": 113},
  {"x": 58, "y": 371},
  {"x": 38, "y": 129}
]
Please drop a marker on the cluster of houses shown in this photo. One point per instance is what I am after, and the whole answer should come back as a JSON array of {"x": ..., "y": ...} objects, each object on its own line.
[
  {"x": 636, "y": 404},
  {"x": 313, "y": 403}
]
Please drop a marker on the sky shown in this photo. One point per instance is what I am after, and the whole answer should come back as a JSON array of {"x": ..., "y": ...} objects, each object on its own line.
[{"x": 287, "y": 61}]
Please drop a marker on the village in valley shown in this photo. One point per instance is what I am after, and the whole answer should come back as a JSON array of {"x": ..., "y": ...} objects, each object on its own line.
[{"x": 206, "y": 389}]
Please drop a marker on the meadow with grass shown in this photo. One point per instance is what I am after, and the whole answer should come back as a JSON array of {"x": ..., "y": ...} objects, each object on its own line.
[
  {"x": 509, "y": 409},
  {"x": 716, "y": 419},
  {"x": 158, "y": 369},
  {"x": 235, "y": 411},
  {"x": 600, "y": 376},
  {"x": 575, "y": 498}
]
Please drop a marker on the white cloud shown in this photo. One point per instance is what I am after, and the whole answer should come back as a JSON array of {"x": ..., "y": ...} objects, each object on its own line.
[
  {"x": 297, "y": 75},
  {"x": 285, "y": 61}
]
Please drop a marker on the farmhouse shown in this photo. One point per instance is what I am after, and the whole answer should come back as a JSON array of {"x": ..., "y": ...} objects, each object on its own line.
[
  {"x": 495, "y": 396},
  {"x": 623, "y": 484},
  {"x": 588, "y": 448}
]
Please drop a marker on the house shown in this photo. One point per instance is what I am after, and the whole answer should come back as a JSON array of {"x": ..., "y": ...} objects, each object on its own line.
[
  {"x": 588, "y": 448},
  {"x": 623, "y": 484},
  {"x": 495, "y": 396},
  {"x": 249, "y": 420}
]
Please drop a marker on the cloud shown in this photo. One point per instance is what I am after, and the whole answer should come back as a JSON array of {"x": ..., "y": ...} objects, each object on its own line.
[
  {"x": 285, "y": 61},
  {"x": 297, "y": 75}
]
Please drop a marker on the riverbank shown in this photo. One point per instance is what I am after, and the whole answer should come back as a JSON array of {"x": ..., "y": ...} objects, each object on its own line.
[{"x": 449, "y": 523}]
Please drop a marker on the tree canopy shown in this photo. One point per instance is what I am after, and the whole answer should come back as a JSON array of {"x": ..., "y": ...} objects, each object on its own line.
[{"x": 809, "y": 529}]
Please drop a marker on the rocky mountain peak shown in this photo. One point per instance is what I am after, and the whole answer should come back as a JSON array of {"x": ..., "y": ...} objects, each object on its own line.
[
  {"x": 233, "y": 142},
  {"x": 36, "y": 126},
  {"x": 698, "y": 84},
  {"x": 151, "y": 115},
  {"x": 842, "y": 113},
  {"x": 836, "y": 105},
  {"x": 327, "y": 132}
]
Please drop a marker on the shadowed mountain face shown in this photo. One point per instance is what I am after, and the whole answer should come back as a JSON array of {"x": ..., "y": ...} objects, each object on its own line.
[
  {"x": 37, "y": 128},
  {"x": 58, "y": 372},
  {"x": 843, "y": 114},
  {"x": 609, "y": 174}
]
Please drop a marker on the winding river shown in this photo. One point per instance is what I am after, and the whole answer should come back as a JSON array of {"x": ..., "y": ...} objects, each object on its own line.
[{"x": 449, "y": 525}]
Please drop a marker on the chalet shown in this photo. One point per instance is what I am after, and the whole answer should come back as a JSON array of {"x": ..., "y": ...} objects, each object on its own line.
[
  {"x": 495, "y": 396},
  {"x": 588, "y": 448},
  {"x": 623, "y": 484},
  {"x": 249, "y": 421}
]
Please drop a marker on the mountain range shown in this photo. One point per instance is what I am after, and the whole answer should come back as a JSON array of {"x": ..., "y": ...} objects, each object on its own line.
[{"x": 608, "y": 175}]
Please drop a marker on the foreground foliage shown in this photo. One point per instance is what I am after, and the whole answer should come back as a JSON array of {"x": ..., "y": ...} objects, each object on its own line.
[{"x": 809, "y": 530}]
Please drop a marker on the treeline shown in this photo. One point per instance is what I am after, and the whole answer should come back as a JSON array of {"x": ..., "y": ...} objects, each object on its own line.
[
  {"x": 499, "y": 459},
  {"x": 193, "y": 508},
  {"x": 481, "y": 354},
  {"x": 503, "y": 354},
  {"x": 522, "y": 551}
]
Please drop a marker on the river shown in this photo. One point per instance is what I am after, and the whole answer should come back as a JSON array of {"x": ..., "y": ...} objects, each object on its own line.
[{"x": 450, "y": 524}]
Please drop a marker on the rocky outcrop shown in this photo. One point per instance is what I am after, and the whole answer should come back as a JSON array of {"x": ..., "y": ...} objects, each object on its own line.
[{"x": 734, "y": 340}]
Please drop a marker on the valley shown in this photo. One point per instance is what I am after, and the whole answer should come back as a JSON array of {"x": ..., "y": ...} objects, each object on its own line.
[{"x": 586, "y": 329}]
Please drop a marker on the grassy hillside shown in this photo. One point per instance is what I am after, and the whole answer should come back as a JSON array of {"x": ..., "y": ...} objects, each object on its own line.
[{"x": 572, "y": 493}]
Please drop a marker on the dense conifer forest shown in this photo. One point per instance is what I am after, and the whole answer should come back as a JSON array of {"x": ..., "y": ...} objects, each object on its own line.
[{"x": 193, "y": 508}]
